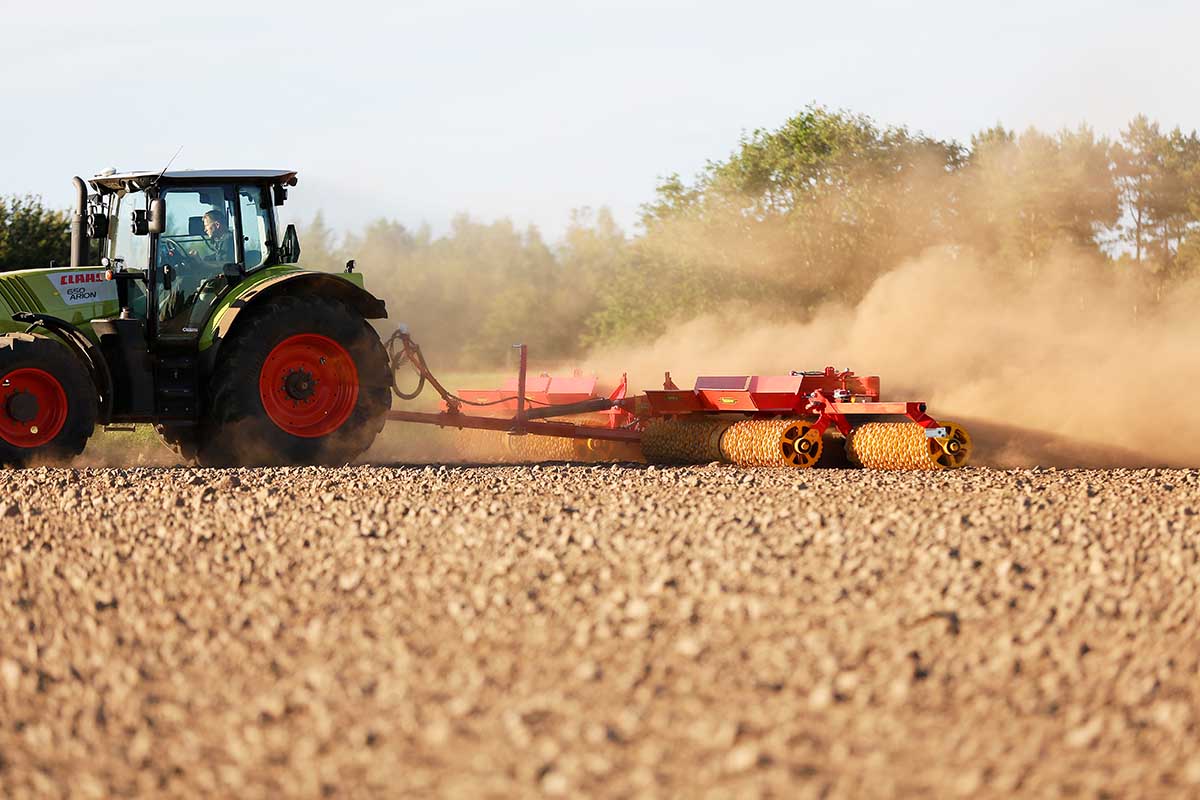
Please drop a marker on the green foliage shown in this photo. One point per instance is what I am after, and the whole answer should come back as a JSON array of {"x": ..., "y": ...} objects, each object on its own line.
[
  {"x": 796, "y": 216},
  {"x": 1159, "y": 178},
  {"x": 32, "y": 235},
  {"x": 816, "y": 210},
  {"x": 1020, "y": 196}
]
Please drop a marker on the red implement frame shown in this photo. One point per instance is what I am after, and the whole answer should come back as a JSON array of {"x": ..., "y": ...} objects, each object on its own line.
[
  {"x": 526, "y": 421},
  {"x": 829, "y": 397}
]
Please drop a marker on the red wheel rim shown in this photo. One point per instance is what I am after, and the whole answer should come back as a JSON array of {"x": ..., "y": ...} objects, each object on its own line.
[
  {"x": 33, "y": 407},
  {"x": 308, "y": 385}
]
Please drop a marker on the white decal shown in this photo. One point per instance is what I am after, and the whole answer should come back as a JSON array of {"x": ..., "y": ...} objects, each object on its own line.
[{"x": 77, "y": 288}]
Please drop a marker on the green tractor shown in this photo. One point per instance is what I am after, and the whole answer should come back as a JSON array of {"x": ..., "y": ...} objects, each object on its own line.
[{"x": 184, "y": 307}]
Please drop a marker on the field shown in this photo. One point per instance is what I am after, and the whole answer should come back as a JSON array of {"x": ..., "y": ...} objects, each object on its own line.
[{"x": 598, "y": 630}]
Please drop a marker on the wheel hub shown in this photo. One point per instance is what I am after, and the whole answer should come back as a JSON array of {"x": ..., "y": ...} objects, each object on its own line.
[
  {"x": 22, "y": 406},
  {"x": 300, "y": 385}
]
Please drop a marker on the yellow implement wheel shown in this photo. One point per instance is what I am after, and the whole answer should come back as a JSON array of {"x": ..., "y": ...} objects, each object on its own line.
[
  {"x": 954, "y": 450},
  {"x": 801, "y": 445}
]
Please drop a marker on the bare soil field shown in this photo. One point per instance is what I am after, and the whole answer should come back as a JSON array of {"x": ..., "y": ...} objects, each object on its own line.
[{"x": 623, "y": 630}]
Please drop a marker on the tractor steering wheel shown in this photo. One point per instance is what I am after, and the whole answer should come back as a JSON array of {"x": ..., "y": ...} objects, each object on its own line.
[{"x": 175, "y": 254}]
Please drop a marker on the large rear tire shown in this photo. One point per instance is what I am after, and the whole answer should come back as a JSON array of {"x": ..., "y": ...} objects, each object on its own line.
[
  {"x": 304, "y": 381},
  {"x": 47, "y": 401}
]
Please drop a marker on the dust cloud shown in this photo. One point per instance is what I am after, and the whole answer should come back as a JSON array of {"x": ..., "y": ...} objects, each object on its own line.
[{"x": 1064, "y": 362}]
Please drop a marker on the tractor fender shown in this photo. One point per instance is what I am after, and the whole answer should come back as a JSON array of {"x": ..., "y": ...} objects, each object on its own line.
[
  {"x": 84, "y": 349},
  {"x": 277, "y": 282}
]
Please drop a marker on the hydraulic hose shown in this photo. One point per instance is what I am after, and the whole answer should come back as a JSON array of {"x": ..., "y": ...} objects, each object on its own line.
[{"x": 403, "y": 350}]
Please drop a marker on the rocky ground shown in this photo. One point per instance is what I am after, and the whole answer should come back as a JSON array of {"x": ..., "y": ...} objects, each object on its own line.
[{"x": 598, "y": 630}]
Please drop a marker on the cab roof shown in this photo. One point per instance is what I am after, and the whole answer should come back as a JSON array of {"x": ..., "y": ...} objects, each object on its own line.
[{"x": 136, "y": 181}]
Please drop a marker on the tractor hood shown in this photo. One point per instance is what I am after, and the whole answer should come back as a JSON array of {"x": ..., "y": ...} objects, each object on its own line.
[{"x": 76, "y": 295}]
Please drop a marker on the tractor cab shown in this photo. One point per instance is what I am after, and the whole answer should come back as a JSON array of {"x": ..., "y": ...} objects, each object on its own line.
[
  {"x": 174, "y": 245},
  {"x": 175, "y": 241}
]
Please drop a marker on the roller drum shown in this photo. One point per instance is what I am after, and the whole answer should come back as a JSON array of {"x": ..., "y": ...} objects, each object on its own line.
[
  {"x": 771, "y": 443},
  {"x": 906, "y": 445},
  {"x": 686, "y": 440},
  {"x": 745, "y": 442},
  {"x": 530, "y": 447},
  {"x": 479, "y": 445}
]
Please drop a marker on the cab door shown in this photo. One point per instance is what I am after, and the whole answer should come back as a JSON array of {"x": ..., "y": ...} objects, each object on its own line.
[
  {"x": 199, "y": 240},
  {"x": 208, "y": 228}
]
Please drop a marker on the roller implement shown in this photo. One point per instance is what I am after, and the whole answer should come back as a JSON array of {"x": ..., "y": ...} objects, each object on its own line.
[
  {"x": 185, "y": 307},
  {"x": 801, "y": 420}
]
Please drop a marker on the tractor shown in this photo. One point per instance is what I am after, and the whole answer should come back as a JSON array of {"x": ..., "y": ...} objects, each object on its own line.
[{"x": 184, "y": 307}]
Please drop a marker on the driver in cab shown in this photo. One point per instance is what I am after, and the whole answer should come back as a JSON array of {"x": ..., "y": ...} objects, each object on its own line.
[
  {"x": 218, "y": 240},
  {"x": 216, "y": 248}
]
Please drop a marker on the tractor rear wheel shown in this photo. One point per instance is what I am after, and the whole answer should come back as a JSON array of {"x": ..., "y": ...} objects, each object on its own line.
[
  {"x": 304, "y": 381},
  {"x": 47, "y": 400}
]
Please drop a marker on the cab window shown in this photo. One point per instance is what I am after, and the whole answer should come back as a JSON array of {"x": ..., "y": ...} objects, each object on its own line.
[{"x": 256, "y": 225}]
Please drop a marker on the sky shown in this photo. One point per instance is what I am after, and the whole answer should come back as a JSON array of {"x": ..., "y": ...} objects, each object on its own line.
[{"x": 418, "y": 111}]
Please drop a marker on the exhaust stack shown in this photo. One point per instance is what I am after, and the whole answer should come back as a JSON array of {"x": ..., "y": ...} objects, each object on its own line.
[{"x": 79, "y": 237}]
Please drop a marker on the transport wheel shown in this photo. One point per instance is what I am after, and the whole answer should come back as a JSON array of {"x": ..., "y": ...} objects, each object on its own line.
[
  {"x": 304, "y": 381},
  {"x": 47, "y": 400}
]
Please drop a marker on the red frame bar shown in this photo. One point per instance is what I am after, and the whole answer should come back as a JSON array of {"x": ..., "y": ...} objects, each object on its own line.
[{"x": 567, "y": 430}]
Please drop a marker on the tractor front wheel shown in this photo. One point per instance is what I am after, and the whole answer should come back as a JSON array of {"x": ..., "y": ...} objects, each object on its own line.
[
  {"x": 304, "y": 381},
  {"x": 47, "y": 400}
]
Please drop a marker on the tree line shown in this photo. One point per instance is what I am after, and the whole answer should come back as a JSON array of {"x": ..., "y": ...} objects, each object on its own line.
[
  {"x": 797, "y": 216},
  {"x": 32, "y": 234}
]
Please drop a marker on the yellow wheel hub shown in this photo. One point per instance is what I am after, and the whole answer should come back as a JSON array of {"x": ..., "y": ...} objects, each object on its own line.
[
  {"x": 801, "y": 445},
  {"x": 954, "y": 449}
]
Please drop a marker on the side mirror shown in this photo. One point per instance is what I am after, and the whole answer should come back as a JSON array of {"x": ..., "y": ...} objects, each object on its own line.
[
  {"x": 233, "y": 273},
  {"x": 289, "y": 250},
  {"x": 195, "y": 226},
  {"x": 141, "y": 223},
  {"x": 279, "y": 194},
  {"x": 158, "y": 215}
]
